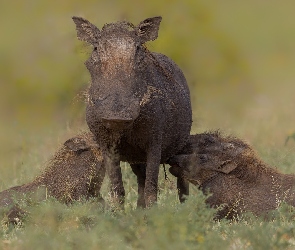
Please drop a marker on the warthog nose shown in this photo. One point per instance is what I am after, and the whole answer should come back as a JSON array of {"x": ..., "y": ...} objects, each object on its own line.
[{"x": 117, "y": 123}]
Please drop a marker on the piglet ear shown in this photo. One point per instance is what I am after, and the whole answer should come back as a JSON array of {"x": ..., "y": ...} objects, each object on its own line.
[
  {"x": 226, "y": 167},
  {"x": 76, "y": 144},
  {"x": 148, "y": 29},
  {"x": 86, "y": 31}
]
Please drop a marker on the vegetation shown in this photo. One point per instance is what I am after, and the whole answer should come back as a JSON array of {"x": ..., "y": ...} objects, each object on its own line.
[{"x": 239, "y": 60}]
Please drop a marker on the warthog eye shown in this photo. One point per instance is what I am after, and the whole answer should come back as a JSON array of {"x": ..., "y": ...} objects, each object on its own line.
[
  {"x": 99, "y": 100},
  {"x": 203, "y": 158}
]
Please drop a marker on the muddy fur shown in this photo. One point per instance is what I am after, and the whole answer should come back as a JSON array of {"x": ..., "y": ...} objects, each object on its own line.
[
  {"x": 138, "y": 103},
  {"x": 74, "y": 173},
  {"x": 232, "y": 172}
]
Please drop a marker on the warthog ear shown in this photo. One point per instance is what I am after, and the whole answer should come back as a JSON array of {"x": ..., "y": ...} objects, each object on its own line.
[
  {"x": 86, "y": 31},
  {"x": 148, "y": 29},
  {"x": 76, "y": 144},
  {"x": 226, "y": 167}
]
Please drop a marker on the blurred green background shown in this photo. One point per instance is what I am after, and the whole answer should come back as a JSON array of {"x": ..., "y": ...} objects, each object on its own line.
[{"x": 238, "y": 58}]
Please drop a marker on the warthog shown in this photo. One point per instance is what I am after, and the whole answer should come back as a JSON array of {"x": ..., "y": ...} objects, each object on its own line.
[
  {"x": 75, "y": 172},
  {"x": 231, "y": 171},
  {"x": 139, "y": 103}
]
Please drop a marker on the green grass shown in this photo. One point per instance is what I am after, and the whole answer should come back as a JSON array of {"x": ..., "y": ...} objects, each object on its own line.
[
  {"x": 239, "y": 59},
  {"x": 169, "y": 225}
]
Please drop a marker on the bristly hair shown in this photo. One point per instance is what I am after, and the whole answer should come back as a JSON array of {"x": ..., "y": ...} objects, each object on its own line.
[
  {"x": 249, "y": 165},
  {"x": 118, "y": 26},
  {"x": 227, "y": 138},
  {"x": 62, "y": 154}
]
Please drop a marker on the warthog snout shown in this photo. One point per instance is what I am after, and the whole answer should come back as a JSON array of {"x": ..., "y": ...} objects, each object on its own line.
[{"x": 116, "y": 122}]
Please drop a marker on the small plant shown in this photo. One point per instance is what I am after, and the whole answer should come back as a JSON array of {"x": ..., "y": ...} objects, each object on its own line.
[{"x": 290, "y": 136}]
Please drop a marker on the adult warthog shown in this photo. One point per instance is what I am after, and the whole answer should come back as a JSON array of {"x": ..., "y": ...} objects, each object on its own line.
[{"x": 139, "y": 103}]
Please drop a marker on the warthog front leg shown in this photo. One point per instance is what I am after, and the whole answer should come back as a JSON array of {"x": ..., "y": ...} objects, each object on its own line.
[
  {"x": 115, "y": 175},
  {"x": 183, "y": 189},
  {"x": 152, "y": 175},
  {"x": 140, "y": 171}
]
